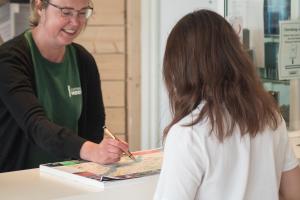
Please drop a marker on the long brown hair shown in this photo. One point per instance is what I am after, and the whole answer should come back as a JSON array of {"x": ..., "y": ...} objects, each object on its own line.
[{"x": 204, "y": 61}]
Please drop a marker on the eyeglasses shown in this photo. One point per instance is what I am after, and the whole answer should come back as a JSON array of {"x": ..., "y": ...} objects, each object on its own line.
[{"x": 84, "y": 13}]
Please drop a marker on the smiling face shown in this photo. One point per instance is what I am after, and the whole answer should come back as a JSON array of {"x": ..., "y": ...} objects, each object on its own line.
[{"x": 58, "y": 28}]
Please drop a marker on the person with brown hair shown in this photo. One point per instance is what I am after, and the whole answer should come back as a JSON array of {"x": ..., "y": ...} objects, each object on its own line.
[
  {"x": 227, "y": 139},
  {"x": 51, "y": 105}
]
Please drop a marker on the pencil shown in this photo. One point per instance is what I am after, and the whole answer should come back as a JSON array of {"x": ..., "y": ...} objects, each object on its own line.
[{"x": 108, "y": 133}]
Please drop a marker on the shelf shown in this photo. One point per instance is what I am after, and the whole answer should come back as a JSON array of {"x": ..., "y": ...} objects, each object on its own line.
[
  {"x": 284, "y": 82},
  {"x": 271, "y": 38}
]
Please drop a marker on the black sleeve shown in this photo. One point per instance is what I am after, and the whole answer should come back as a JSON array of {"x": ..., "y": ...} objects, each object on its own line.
[
  {"x": 93, "y": 114},
  {"x": 18, "y": 95}
]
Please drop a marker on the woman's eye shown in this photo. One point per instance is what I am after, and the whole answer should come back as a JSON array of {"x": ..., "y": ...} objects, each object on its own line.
[
  {"x": 82, "y": 13},
  {"x": 67, "y": 12}
]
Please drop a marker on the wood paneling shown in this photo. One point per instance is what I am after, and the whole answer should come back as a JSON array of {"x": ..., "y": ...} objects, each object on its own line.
[
  {"x": 108, "y": 12},
  {"x": 111, "y": 66},
  {"x": 3, "y": 2},
  {"x": 113, "y": 93},
  {"x": 99, "y": 39},
  {"x": 113, "y": 37},
  {"x": 133, "y": 93},
  {"x": 115, "y": 120}
]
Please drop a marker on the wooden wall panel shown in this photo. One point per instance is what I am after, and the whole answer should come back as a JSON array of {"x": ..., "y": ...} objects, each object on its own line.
[
  {"x": 115, "y": 120},
  {"x": 111, "y": 66},
  {"x": 113, "y": 37},
  {"x": 113, "y": 93},
  {"x": 108, "y": 12},
  {"x": 133, "y": 89},
  {"x": 99, "y": 39},
  {"x": 3, "y": 2}
]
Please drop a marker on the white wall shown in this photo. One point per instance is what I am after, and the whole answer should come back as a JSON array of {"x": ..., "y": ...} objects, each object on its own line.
[{"x": 150, "y": 73}]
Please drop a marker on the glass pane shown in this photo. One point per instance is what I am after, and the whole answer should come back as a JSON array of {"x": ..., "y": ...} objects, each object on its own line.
[
  {"x": 273, "y": 12},
  {"x": 262, "y": 41}
]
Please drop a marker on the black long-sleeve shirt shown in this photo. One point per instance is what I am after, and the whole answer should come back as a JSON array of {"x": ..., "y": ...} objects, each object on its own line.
[{"x": 23, "y": 123}]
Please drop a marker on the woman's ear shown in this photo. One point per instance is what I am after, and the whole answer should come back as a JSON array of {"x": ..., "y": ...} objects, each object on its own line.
[
  {"x": 39, "y": 7},
  {"x": 38, "y": 4}
]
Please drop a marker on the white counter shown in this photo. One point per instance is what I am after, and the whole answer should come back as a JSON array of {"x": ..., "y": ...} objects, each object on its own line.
[{"x": 31, "y": 185}]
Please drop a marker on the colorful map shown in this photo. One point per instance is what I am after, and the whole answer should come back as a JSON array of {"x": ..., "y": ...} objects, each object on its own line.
[{"x": 147, "y": 163}]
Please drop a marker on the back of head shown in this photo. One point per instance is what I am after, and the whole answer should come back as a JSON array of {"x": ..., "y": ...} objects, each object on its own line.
[{"x": 205, "y": 61}]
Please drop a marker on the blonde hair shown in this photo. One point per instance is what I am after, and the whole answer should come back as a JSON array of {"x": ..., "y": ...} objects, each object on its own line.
[{"x": 34, "y": 17}]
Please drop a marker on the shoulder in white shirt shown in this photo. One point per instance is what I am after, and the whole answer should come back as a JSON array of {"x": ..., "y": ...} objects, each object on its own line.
[{"x": 197, "y": 166}]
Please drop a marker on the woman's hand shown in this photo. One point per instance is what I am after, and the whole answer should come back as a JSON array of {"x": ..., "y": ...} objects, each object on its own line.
[{"x": 106, "y": 152}]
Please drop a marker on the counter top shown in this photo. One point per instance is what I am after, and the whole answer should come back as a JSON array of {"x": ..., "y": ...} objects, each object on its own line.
[{"x": 31, "y": 185}]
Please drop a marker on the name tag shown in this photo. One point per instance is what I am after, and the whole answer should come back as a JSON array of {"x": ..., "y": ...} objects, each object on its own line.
[{"x": 75, "y": 91}]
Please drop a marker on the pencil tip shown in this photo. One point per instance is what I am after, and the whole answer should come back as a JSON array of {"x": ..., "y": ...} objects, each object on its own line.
[{"x": 132, "y": 157}]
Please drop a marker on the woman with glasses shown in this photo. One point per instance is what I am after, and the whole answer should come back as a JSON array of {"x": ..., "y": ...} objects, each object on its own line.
[
  {"x": 227, "y": 139},
  {"x": 51, "y": 106}
]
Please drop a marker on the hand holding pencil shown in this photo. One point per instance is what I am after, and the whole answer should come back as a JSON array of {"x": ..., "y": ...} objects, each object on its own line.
[
  {"x": 108, "y": 151},
  {"x": 108, "y": 133}
]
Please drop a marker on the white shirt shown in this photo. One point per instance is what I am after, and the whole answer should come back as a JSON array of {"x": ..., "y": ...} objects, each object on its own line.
[{"x": 197, "y": 166}]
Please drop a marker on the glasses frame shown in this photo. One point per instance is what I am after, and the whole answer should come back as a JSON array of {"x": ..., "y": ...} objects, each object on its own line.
[{"x": 72, "y": 10}]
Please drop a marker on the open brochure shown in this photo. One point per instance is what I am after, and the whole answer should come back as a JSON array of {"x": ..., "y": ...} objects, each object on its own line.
[{"x": 147, "y": 163}]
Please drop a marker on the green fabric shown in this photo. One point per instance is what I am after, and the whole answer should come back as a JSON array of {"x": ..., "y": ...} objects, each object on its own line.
[
  {"x": 58, "y": 90},
  {"x": 58, "y": 86}
]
